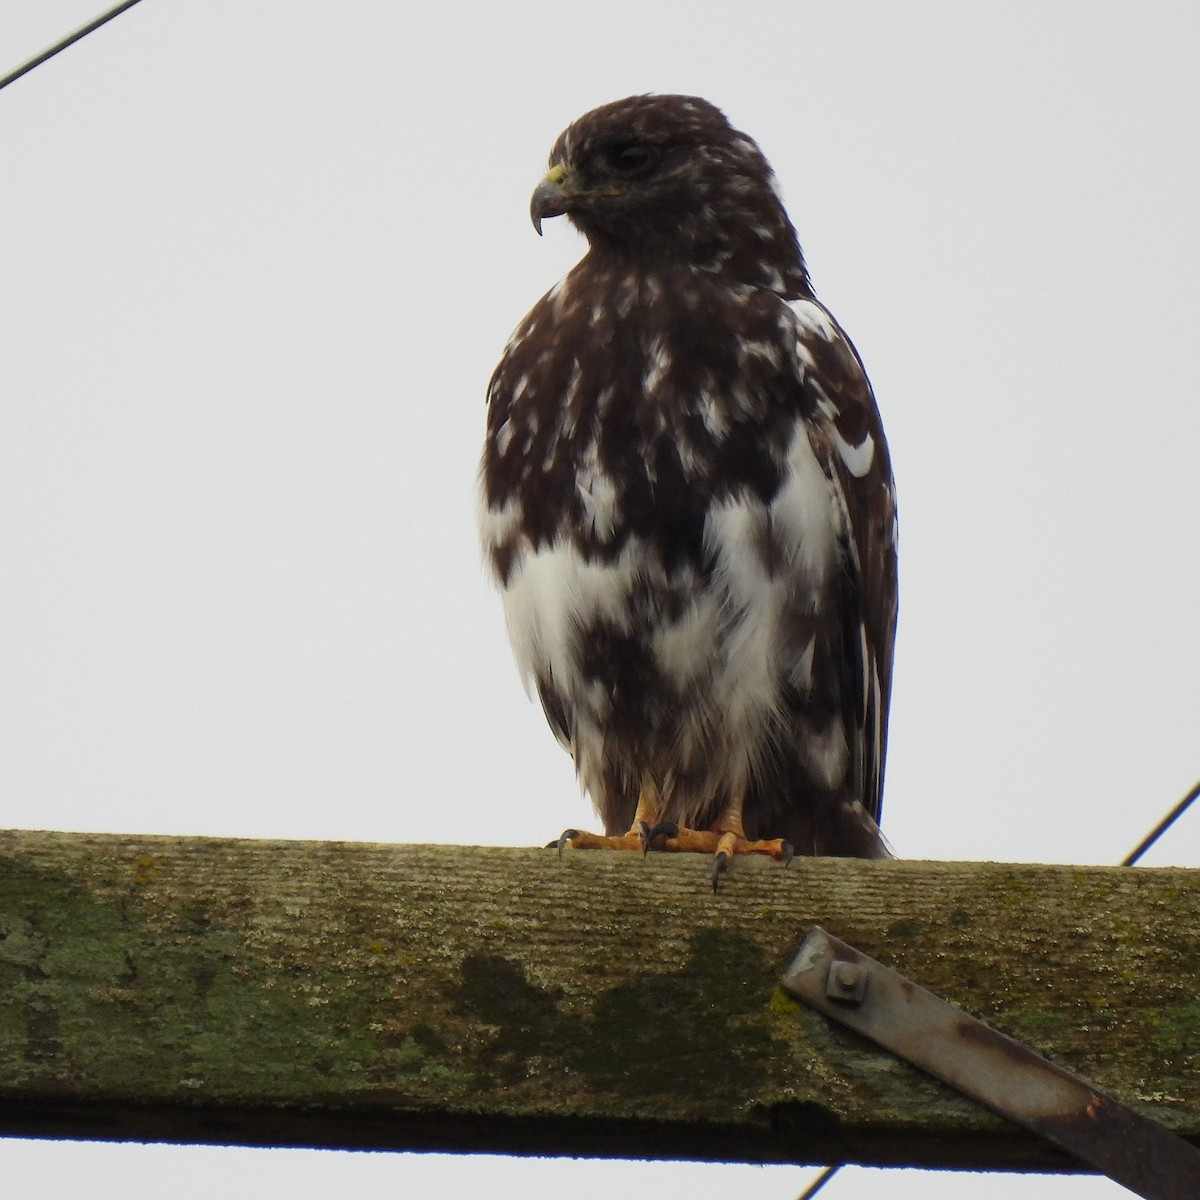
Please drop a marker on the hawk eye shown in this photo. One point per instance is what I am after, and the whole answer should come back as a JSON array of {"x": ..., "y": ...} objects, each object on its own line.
[{"x": 628, "y": 158}]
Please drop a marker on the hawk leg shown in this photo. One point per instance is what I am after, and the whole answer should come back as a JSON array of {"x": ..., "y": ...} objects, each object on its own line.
[
  {"x": 638, "y": 837},
  {"x": 724, "y": 840}
]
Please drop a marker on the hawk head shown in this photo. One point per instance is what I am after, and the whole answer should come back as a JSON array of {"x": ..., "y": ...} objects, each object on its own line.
[{"x": 668, "y": 178}]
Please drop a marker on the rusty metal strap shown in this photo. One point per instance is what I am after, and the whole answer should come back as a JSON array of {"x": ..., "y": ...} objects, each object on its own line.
[{"x": 994, "y": 1070}]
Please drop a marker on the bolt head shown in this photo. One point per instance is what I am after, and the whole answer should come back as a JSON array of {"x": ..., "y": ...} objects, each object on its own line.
[
  {"x": 848, "y": 975},
  {"x": 847, "y": 982}
]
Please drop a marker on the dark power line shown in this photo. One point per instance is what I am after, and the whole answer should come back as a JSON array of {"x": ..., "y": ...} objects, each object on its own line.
[
  {"x": 63, "y": 43},
  {"x": 1161, "y": 827},
  {"x": 820, "y": 1181}
]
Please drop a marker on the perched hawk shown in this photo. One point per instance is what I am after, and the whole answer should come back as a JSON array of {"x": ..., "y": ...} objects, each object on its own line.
[{"x": 688, "y": 506}]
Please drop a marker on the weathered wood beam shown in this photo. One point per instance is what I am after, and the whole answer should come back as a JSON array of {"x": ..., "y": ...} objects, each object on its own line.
[{"x": 455, "y": 998}]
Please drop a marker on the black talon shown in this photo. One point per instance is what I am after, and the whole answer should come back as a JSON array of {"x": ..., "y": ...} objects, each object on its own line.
[
  {"x": 788, "y": 853},
  {"x": 563, "y": 839},
  {"x": 664, "y": 829},
  {"x": 647, "y": 834},
  {"x": 720, "y": 863}
]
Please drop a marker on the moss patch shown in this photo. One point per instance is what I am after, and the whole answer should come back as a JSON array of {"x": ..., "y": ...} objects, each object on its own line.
[{"x": 701, "y": 1029}]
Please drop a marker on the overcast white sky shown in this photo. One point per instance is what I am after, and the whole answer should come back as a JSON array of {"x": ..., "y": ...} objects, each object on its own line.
[{"x": 256, "y": 264}]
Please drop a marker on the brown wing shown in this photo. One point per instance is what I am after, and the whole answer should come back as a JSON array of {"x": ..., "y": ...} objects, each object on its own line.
[{"x": 849, "y": 437}]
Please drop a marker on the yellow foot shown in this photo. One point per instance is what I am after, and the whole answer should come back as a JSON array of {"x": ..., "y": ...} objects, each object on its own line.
[
  {"x": 667, "y": 835},
  {"x": 638, "y": 838},
  {"x": 722, "y": 845}
]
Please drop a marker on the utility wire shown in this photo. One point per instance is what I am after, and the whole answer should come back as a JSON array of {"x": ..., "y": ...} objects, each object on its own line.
[
  {"x": 1128, "y": 861},
  {"x": 818, "y": 1183},
  {"x": 63, "y": 43},
  {"x": 1161, "y": 827}
]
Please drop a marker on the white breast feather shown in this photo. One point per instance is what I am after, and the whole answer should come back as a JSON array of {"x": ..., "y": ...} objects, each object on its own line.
[
  {"x": 805, "y": 526},
  {"x": 808, "y": 516},
  {"x": 554, "y": 592},
  {"x": 598, "y": 495}
]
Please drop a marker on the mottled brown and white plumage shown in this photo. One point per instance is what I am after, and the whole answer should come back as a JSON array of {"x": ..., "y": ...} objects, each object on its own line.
[{"x": 687, "y": 500}]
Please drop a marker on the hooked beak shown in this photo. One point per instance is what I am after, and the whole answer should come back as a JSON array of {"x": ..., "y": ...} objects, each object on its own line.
[{"x": 550, "y": 198}]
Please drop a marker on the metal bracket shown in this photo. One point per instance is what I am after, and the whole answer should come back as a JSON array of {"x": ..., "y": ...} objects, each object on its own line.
[{"x": 993, "y": 1069}]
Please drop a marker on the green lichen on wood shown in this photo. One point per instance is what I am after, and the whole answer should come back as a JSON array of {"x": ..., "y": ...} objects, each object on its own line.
[{"x": 448, "y": 992}]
